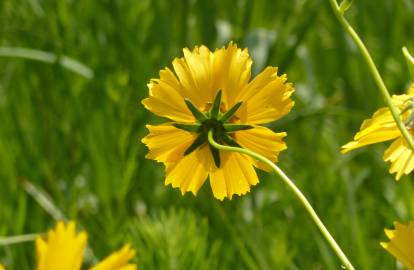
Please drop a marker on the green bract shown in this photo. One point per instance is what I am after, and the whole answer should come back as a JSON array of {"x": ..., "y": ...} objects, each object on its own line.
[{"x": 219, "y": 122}]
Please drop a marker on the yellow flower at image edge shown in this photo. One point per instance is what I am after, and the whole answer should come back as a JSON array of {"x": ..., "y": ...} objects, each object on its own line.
[
  {"x": 214, "y": 91},
  {"x": 382, "y": 127},
  {"x": 401, "y": 243},
  {"x": 64, "y": 249},
  {"x": 1, "y": 267}
]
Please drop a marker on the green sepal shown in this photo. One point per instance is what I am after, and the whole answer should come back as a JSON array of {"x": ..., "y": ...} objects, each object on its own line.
[
  {"x": 409, "y": 106},
  {"x": 215, "y": 109},
  {"x": 188, "y": 127},
  {"x": 226, "y": 116},
  {"x": 201, "y": 139},
  {"x": 230, "y": 141},
  {"x": 216, "y": 156},
  {"x": 410, "y": 120},
  {"x": 193, "y": 109},
  {"x": 344, "y": 6},
  {"x": 236, "y": 127}
]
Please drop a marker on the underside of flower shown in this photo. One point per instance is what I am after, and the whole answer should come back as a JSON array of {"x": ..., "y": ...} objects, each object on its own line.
[
  {"x": 212, "y": 91},
  {"x": 381, "y": 127},
  {"x": 408, "y": 110},
  {"x": 219, "y": 122}
]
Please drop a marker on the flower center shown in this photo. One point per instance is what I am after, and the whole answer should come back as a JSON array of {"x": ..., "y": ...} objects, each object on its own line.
[{"x": 215, "y": 120}]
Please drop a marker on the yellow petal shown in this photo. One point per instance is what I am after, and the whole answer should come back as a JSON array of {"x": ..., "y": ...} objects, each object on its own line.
[
  {"x": 195, "y": 73},
  {"x": 411, "y": 90},
  {"x": 381, "y": 127},
  {"x": 166, "y": 98},
  {"x": 62, "y": 250},
  {"x": 167, "y": 143},
  {"x": 266, "y": 98},
  {"x": 191, "y": 171},
  {"x": 401, "y": 158},
  {"x": 232, "y": 69},
  {"x": 235, "y": 176},
  {"x": 401, "y": 244},
  {"x": 1, "y": 267},
  {"x": 201, "y": 73},
  {"x": 262, "y": 141},
  {"x": 118, "y": 260}
]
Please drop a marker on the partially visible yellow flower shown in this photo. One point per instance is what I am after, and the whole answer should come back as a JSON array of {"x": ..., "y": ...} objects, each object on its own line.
[
  {"x": 118, "y": 260},
  {"x": 214, "y": 91},
  {"x": 401, "y": 243},
  {"x": 382, "y": 127},
  {"x": 1, "y": 267},
  {"x": 64, "y": 248}
]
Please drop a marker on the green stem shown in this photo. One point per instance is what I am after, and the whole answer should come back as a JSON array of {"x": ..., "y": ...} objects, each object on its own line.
[
  {"x": 374, "y": 72},
  {"x": 410, "y": 61},
  {"x": 341, "y": 255}
]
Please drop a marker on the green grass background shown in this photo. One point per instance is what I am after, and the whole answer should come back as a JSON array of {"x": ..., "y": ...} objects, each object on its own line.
[{"x": 78, "y": 139}]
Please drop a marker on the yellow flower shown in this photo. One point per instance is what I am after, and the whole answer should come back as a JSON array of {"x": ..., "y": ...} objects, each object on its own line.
[
  {"x": 64, "y": 248},
  {"x": 401, "y": 245},
  {"x": 382, "y": 127},
  {"x": 118, "y": 260},
  {"x": 1, "y": 267},
  {"x": 212, "y": 91}
]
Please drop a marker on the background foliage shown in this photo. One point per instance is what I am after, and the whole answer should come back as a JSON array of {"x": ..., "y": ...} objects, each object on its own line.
[{"x": 78, "y": 139}]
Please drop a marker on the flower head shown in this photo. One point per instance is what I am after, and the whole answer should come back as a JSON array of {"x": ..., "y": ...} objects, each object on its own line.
[
  {"x": 382, "y": 127},
  {"x": 401, "y": 243},
  {"x": 64, "y": 248},
  {"x": 212, "y": 91}
]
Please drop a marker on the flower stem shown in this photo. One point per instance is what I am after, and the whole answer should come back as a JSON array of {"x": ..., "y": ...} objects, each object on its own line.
[
  {"x": 410, "y": 61},
  {"x": 374, "y": 71},
  {"x": 341, "y": 255}
]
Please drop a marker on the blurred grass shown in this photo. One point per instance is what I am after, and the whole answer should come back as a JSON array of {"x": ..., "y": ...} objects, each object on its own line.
[{"x": 78, "y": 139}]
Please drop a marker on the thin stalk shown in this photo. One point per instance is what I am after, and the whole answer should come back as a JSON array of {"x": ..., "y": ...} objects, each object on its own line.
[
  {"x": 410, "y": 61},
  {"x": 339, "y": 12},
  {"x": 338, "y": 251}
]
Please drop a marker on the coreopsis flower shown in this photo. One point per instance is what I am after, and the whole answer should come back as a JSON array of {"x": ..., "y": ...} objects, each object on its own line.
[
  {"x": 382, "y": 127},
  {"x": 214, "y": 91},
  {"x": 64, "y": 248},
  {"x": 401, "y": 244}
]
